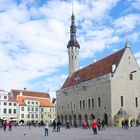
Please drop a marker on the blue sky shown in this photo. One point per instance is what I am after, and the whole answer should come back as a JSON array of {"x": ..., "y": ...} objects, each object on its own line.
[{"x": 34, "y": 36}]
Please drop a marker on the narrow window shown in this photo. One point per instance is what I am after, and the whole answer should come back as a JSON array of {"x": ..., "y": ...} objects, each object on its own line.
[
  {"x": 22, "y": 108},
  {"x": 99, "y": 102},
  {"x": 83, "y": 104},
  {"x": 10, "y": 111},
  {"x": 88, "y": 103},
  {"x": 121, "y": 101},
  {"x": 28, "y": 108},
  {"x": 5, "y": 97},
  {"x": 131, "y": 76},
  {"x": 92, "y": 103},
  {"x": 5, "y": 111},
  {"x": 74, "y": 106},
  {"x": 22, "y": 115},
  {"x": 136, "y": 101},
  {"x": 80, "y": 104},
  {"x": 15, "y": 111},
  {"x": 71, "y": 105}
]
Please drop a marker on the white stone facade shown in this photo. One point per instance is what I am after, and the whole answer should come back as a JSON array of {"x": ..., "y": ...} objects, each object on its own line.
[
  {"x": 102, "y": 97},
  {"x": 8, "y": 109}
]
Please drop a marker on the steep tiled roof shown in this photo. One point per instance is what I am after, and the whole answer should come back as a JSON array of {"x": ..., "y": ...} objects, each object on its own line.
[
  {"x": 10, "y": 98},
  {"x": 97, "y": 69},
  {"x": 43, "y": 101},
  {"x": 15, "y": 92}
]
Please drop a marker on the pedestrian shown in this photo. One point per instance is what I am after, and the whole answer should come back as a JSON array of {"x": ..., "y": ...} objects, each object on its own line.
[
  {"x": 68, "y": 125},
  {"x": 84, "y": 124},
  {"x": 54, "y": 126},
  {"x": 88, "y": 126},
  {"x": 99, "y": 124},
  {"x": 131, "y": 123},
  {"x": 103, "y": 124},
  {"x": 94, "y": 127},
  {"x": 46, "y": 128},
  {"x": 58, "y": 125},
  {"x": 123, "y": 124},
  {"x": 29, "y": 124},
  {"x": 4, "y": 125},
  {"x": 10, "y": 125}
]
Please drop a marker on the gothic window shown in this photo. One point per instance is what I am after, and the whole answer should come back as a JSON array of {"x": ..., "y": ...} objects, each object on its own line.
[
  {"x": 92, "y": 103},
  {"x": 80, "y": 104},
  {"x": 83, "y": 104},
  {"x": 99, "y": 102},
  {"x": 88, "y": 103},
  {"x": 131, "y": 76},
  {"x": 136, "y": 101},
  {"x": 121, "y": 101}
]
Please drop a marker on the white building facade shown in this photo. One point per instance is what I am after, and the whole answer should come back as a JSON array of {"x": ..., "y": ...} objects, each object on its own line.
[
  {"x": 8, "y": 107},
  {"x": 101, "y": 89}
]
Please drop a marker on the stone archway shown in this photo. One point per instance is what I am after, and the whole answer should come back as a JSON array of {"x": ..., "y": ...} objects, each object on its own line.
[
  {"x": 58, "y": 117},
  {"x": 106, "y": 118},
  {"x": 62, "y": 121},
  {"x": 70, "y": 119},
  {"x": 66, "y": 119},
  {"x": 86, "y": 117},
  {"x": 74, "y": 120},
  {"x": 79, "y": 120}
]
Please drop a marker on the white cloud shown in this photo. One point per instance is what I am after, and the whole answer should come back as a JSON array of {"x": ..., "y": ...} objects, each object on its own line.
[
  {"x": 135, "y": 4},
  {"x": 127, "y": 23},
  {"x": 33, "y": 40}
]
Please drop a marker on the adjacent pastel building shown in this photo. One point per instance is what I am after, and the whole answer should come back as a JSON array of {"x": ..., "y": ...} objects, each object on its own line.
[{"x": 33, "y": 106}]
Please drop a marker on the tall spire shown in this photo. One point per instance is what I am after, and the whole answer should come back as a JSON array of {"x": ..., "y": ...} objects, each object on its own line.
[{"x": 73, "y": 41}]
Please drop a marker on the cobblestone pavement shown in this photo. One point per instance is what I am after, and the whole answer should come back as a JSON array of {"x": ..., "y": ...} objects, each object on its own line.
[{"x": 35, "y": 133}]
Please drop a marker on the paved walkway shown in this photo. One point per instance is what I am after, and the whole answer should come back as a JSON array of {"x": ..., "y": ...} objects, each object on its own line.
[{"x": 111, "y": 133}]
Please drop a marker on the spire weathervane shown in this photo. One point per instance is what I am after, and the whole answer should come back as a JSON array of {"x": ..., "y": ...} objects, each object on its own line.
[
  {"x": 126, "y": 38},
  {"x": 72, "y": 8}
]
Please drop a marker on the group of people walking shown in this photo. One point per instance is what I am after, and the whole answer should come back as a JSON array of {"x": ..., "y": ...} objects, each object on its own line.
[
  {"x": 56, "y": 127},
  {"x": 126, "y": 123},
  {"x": 6, "y": 124},
  {"x": 94, "y": 125}
]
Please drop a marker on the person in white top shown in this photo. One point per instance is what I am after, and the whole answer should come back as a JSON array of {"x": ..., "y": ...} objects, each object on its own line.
[{"x": 46, "y": 129}]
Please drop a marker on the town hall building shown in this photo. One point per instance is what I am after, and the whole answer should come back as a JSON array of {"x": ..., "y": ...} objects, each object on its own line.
[{"x": 104, "y": 89}]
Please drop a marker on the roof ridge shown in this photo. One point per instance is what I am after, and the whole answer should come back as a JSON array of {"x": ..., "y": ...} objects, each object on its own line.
[{"x": 94, "y": 70}]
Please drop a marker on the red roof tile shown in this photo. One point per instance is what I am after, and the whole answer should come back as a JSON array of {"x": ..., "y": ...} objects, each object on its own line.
[
  {"x": 43, "y": 101},
  {"x": 97, "y": 69},
  {"x": 15, "y": 92}
]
